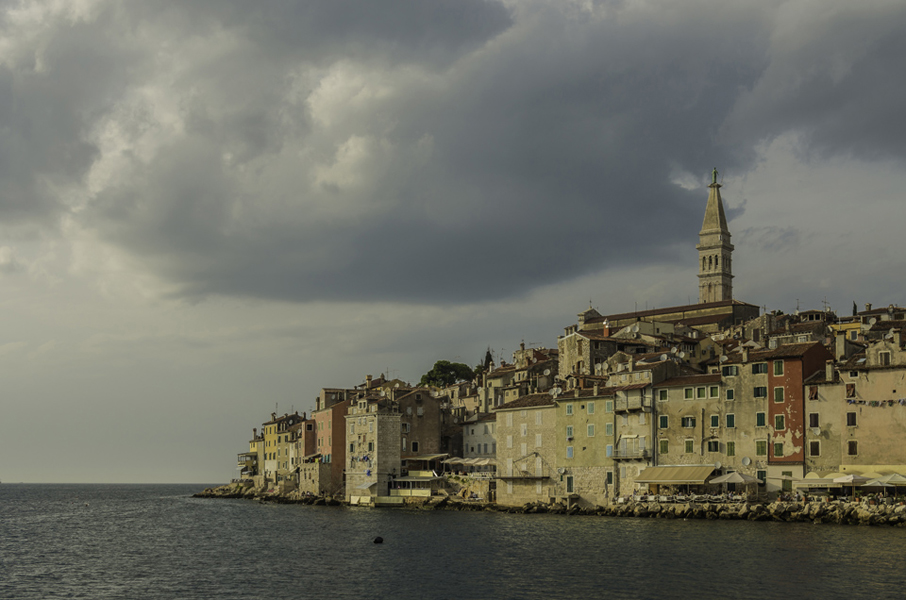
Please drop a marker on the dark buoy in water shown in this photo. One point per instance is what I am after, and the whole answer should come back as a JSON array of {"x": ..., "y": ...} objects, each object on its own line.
[{"x": 379, "y": 540}]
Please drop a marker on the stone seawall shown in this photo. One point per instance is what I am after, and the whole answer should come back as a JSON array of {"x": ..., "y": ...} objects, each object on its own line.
[{"x": 851, "y": 513}]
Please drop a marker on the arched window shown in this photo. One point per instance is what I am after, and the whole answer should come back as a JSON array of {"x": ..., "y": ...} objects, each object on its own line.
[{"x": 716, "y": 262}]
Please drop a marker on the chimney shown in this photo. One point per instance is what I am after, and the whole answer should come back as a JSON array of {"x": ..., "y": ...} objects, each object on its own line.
[
  {"x": 273, "y": 416},
  {"x": 254, "y": 432},
  {"x": 367, "y": 382},
  {"x": 829, "y": 371},
  {"x": 745, "y": 354},
  {"x": 868, "y": 306},
  {"x": 522, "y": 346},
  {"x": 577, "y": 393},
  {"x": 631, "y": 363},
  {"x": 840, "y": 346},
  {"x": 597, "y": 388}
]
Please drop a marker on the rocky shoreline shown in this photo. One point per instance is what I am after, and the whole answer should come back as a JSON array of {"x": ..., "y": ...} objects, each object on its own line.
[{"x": 849, "y": 513}]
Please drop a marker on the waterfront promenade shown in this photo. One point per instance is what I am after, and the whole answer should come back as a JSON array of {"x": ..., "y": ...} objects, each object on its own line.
[{"x": 820, "y": 510}]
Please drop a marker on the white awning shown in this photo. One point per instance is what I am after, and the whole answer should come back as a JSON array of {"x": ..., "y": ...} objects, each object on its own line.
[{"x": 366, "y": 485}]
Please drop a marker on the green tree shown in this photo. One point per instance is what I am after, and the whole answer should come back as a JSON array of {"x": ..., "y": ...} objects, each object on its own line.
[{"x": 445, "y": 373}]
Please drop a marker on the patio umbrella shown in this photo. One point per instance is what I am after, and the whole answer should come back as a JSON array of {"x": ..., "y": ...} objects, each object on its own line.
[
  {"x": 735, "y": 478},
  {"x": 853, "y": 480}
]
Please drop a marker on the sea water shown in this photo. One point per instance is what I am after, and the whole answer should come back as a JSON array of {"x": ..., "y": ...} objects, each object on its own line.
[{"x": 156, "y": 541}]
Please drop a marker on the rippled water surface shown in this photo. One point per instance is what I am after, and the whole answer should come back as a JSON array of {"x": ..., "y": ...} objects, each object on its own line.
[{"x": 155, "y": 541}]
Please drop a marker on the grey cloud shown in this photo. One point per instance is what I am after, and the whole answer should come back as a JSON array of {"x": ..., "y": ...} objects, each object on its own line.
[
  {"x": 833, "y": 78},
  {"x": 424, "y": 152}
]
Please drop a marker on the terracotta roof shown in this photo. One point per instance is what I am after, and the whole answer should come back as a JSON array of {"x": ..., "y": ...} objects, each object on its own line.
[
  {"x": 671, "y": 309},
  {"x": 531, "y": 400},
  {"x": 631, "y": 386},
  {"x": 584, "y": 393},
  {"x": 689, "y": 380}
]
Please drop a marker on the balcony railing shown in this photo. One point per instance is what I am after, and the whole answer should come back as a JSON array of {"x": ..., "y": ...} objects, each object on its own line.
[{"x": 631, "y": 453}]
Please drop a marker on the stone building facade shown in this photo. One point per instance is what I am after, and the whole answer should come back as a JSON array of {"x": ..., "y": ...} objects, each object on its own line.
[{"x": 526, "y": 450}]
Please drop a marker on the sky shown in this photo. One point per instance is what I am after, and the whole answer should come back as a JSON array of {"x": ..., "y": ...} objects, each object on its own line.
[{"x": 211, "y": 209}]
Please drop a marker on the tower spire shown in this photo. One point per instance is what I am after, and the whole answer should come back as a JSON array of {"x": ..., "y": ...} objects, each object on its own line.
[{"x": 715, "y": 269}]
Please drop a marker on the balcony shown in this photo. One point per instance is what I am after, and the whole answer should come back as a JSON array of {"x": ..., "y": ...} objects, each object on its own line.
[
  {"x": 631, "y": 453},
  {"x": 627, "y": 404}
]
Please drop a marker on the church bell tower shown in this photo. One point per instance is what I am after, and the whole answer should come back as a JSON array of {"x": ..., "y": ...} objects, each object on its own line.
[{"x": 715, "y": 270}]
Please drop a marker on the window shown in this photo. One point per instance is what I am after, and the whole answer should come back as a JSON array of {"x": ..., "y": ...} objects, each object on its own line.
[
  {"x": 884, "y": 358},
  {"x": 569, "y": 484},
  {"x": 761, "y": 447},
  {"x": 351, "y": 448},
  {"x": 569, "y": 409},
  {"x": 662, "y": 421},
  {"x": 813, "y": 420},
  {"x": 713, "y": 392},
  {"x": 778, "y": 394},
  {"x": 779, "y": 423},
  {"x": 778, "y": 449},
  {"x": 762, "y": 476},
  {"x": 608, "y": 406},
  {"x": 524, "y": 430},
  {"x": 569, "y": 432},
  {"x": 404, "y": 444},
  {"x": 731, "y": 421},
  {"x": 509, "y": 419},
  {"x": 609, "y": 478},
  {"x": 700, "y": 393},
  {"x": 715, "y": 420},
  {"x": 569, "y": 452},
  {"x": 850, "y": 390},
  {"x": 608, "y": 429},
  {"x": 662, "y": 447},
  {"x": 538, "y": 417},
  {"x": 371, "y": 446},
  {"x": 713, "y": 446},
  {"x": 590, "y": 408},
  {"x": 729, "y": 371},
  {"x": 814, "y": 448},
  {"x": 591, "y": 431},
  {"x": 689, "y": 446},
  {"x": 759, "y": 368},
  {"x": 662, "y": 395},
  {"x": 850, "y": 419},
  {"x": 624, "y": 419},
  {"x": 509, "y": 441},
  {"x": 641, "y": 418},
  {"x": 852, "y": 448},
  {"x": 405, "y": 427},
  {"x": 687, "y": 394},
  {"x": 608, "y": 450},
  {"x": 731, "y": 395},
  {"x": 688, "y": 421},
  {"x": 760, "y": 392},
  {"x": 760, "y": 419},
  {"x": 813, "y": 392},
  {"x": 351, "y": 430},
  {"x": 778, "y": 367}
]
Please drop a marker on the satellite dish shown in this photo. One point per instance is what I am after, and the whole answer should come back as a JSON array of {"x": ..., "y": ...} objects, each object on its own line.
[
  {"x": 396, "y": 385},
  {"x": 547, "y": 372},
  {"x": 561, "y": 470},
  {"x": 682, "y": 355},
  {"x": 746, "y": 461},
  {"x": 663, "y": 357},
  {"x": 872, "y": 321},
  {"x": 724, "y": 358},
  {"x": 383, "y": 393},
  {"x": 635, "y": 329},
  {"x": 674, "y": 350},
  {"x": 717, "y": 465}
]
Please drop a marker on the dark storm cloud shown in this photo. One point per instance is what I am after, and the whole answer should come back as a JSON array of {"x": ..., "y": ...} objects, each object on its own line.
[
  {"x": 424, "y": 152},
  {"x": 834, "y": 80}
]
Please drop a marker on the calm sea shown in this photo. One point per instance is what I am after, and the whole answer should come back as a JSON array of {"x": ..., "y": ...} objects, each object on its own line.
[{"x": 155, "y": 541}]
